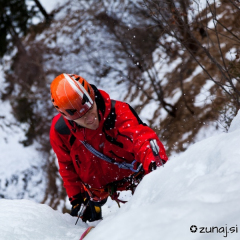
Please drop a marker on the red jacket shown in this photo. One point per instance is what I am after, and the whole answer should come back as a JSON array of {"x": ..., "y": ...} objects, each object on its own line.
[{"x": 123, "y": 137}]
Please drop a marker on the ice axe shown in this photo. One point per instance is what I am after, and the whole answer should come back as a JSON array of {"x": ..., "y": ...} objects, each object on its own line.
[
  {"x": 155, "y": 150},
  {"x": 81, "y": 211}
]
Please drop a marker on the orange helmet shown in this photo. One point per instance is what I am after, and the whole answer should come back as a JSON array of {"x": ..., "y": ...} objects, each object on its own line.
[{"x": 71, "y": 95}]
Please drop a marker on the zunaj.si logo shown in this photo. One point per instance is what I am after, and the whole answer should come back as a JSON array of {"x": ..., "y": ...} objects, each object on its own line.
[
  {"x": 225, "y": 230},
  {"x": 193, "y": 228}
]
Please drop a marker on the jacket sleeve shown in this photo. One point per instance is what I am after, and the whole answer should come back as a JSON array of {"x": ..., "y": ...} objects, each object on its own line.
[
  {"x": 71, "y": 179},
  {"x": 136, "y": 136}
]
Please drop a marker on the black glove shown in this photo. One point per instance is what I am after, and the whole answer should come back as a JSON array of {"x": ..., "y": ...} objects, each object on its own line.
[
  {"x": 76, "y": 203},
  {"x": 93, "y": 210},
  {"x": 75, "y": 209},
  {"x": 152, "y": 166}
]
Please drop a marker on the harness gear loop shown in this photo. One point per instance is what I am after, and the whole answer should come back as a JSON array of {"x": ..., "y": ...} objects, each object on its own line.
[{"x": 112, "y": 191}]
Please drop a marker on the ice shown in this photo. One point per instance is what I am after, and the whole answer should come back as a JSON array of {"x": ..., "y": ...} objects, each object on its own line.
[{"x": 200, "y": 187}]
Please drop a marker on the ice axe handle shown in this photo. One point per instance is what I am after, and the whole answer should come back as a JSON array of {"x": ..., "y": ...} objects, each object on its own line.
[
  {"x": 155, "y": 150},
  {"x": 81, "y": 211}
]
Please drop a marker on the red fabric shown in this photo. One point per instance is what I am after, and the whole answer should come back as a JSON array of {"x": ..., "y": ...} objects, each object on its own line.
[{"x": 76, "y": 162}]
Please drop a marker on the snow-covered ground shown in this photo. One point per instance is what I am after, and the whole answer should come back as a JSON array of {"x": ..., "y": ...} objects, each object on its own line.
[
  {"x": 21, "y": 168},
  {"x": 194, "y": 196}
]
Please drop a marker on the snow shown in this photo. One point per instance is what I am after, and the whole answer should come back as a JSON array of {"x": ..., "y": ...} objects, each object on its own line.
[
  {"x": 235, "y": 123},
  {"x": 197, "y": 71},
  {"x": 21, "y": 173},
  {"x": 163, "y": 65},
  {"x": 200, "y": 187},
  {"x": 204, "y": 97},
  {"x": 51, "y": 5},
  {"x": 202, "y": 4},
  {"x": 23, "y": 220},
  {"x": 231, "y": 54},
  {"x": 148, "y": 111}
]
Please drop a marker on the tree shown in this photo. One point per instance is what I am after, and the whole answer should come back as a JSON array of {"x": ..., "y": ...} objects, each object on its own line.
[
  {"x": 136, "y": 45},
  {"x": 47, "y": 16},
  {"x": 16, "y": 18},
  {"x": 172, "y": 16}
]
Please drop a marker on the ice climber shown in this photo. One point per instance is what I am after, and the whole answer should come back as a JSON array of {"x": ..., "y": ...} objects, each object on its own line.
[{"x": 102, "y": 146}]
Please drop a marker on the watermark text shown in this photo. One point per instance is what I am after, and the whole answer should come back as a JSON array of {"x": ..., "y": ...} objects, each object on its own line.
[{"x": 213, "y": 229}]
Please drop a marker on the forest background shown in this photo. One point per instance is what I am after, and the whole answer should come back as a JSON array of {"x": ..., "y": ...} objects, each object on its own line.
[{"x": 176, "y": 62}]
